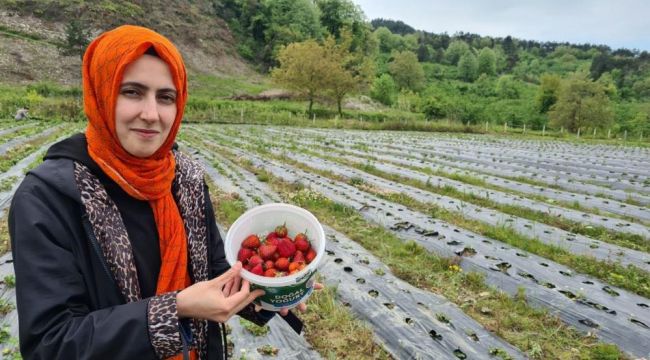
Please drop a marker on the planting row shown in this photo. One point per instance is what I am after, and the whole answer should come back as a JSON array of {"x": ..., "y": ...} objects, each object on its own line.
[{"x": 581, "y": 301}]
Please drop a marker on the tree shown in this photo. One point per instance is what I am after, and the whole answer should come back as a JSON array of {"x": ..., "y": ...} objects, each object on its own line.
[
  {"x": 455, "y": 50},
  {"x": 77, "y": 38},
  {"x": 507, "y": 87},
  {"x": 303, "y": 68},
  {"x": 348, "y": 72},
  {"x": 468, "y": 67},
  {"x": 407, "y": 71},
  {"x": 510, "y": 50},
  {"x": 547, "y": 93},
  {"x": 487, "y": 62},
  {"x": 384, "y": 90},
  {"x": 337, "y": 16},
  {"x": 581, "y": 103},
  {"x": 287, "y": 21}
]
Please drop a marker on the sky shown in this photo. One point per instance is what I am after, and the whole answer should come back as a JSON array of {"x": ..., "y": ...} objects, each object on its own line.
[{"x": 616, "y": 23}]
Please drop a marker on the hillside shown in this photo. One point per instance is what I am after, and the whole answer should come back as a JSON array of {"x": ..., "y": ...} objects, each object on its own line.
[{"x": 30, "y": 31}]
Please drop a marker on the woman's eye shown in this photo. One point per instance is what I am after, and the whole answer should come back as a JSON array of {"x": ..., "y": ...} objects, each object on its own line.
[
  {"x": 130, "y": 92},
  {"x": 167, "y": 99}
]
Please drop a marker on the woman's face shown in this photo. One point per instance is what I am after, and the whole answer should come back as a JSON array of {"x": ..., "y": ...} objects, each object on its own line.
[{"x": 146, "y": 106}]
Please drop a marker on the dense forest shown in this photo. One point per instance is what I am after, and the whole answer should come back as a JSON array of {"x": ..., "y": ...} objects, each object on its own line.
[{"x": 463, "y": 77}]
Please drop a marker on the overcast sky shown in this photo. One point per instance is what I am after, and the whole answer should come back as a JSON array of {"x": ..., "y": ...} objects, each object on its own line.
[{"x": 616, "y": 23}]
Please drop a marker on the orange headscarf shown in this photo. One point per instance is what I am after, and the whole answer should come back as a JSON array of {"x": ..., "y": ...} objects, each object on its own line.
[{"x": 143, "y": 178}]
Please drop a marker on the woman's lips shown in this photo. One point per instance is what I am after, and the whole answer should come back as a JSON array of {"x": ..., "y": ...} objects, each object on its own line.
[{"x": 145, "y": 133}]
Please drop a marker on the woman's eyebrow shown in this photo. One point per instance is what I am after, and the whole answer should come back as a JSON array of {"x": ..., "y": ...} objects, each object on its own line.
[{"x": 145, "y": 87}]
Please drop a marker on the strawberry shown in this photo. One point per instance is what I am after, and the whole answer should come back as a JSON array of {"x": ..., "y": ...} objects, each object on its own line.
[
  {"x": 293, "y": 266},
  {"x": 268, "y": 264},
  {"x": 255, "y": 260},
  {"x": 286, "y": 248},
  {"x": 272, "y": 241},
  {"x": 257, "y": 270},
  {"x": 311, "y": 255},
  {"x": 271, "y": 235},
  {"x": 266, "y": 251},
  {"x": 302, "y": 243},
  {"x": 270, "y": 273},
  {"x": 244, "y": 254},
  {"x": 251, "y": 242},
  {"x": 299, "y": 257},
  {"x": 281, "y": 231},
  {"x": 282, "y": 264}
]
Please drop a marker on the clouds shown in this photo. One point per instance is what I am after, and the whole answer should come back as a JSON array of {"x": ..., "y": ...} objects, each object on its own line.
[{"x": 621, "y": 23}]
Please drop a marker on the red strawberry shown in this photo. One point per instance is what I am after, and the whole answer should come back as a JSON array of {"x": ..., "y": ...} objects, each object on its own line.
[
  {"x": 270, "y": 273},
  {"x": 255, "y": 260},
  {"x": 271, "y": 235},
  {"x": 286, "y": 248},
  {"x": 251, "y": 242},
  {"x": 311, "y": 255},
  {"x": 302, "y": 243},
  {"x": 244, "y": 254},
  {"x": 299, "y": 257},
  {"x": 266, "y": 251},
  {"x": 268, "y": 264},
  {"x": 282, "y": 264},
  {"x": 272, "y": 241},
  {"x": 257, "y": 270},
  {"x": 281, "y": 231}
]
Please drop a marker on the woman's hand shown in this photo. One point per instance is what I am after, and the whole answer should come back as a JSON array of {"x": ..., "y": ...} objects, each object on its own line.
[{"x": 217, "y": 299}]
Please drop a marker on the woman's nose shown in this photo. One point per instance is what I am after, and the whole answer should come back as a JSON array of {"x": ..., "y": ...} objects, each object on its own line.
[{"x": 149, "y": 109}]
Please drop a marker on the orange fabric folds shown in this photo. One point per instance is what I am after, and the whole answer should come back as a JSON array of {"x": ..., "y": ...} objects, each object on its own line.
[{"x": 143, "y": 178}]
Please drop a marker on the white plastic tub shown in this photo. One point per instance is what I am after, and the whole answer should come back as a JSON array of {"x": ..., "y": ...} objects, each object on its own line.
[{"x": 281, "y": 292}]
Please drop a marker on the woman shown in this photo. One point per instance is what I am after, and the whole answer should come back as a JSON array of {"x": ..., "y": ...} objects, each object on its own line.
[{"x": 116, "y": 251}]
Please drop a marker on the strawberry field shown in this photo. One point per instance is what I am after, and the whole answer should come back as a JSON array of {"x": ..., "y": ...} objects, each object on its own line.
[{"x": 439, "y": 246}]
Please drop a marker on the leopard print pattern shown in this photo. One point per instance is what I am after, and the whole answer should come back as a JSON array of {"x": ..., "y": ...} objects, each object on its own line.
[
  {"x": 110, "y": 232},
  {"x": 164, "y": 333},
  {"x": 191, "y": 204}
]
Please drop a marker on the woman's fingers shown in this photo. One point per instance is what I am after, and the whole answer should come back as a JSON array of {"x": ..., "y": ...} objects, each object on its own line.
[
  {"x": 225, "y": 277},
  {"x": 227, "y": 289}
]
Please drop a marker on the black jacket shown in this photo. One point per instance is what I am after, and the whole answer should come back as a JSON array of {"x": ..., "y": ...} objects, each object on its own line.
[{"x": 69, "y": 304}]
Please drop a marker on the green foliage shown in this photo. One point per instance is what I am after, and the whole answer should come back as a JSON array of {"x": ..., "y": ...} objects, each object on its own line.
[
  {"x": 456, "y": 49},
  {"x": 468, "y": 67},
  {"x": 303, "y": 68},
  {"x": 487, "y": 62},
  {"x": 384, "y": 90},
  {"x": 507, "y": 87},
  {"x": 605, "y": 352},
  {"x": 389, "y": 42},
  {"x": 547, "y": 93},
  {"x": 77, "y": 37},
  {"x": 407, "y": 71},
  {"x": 581, "y": 103}
]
